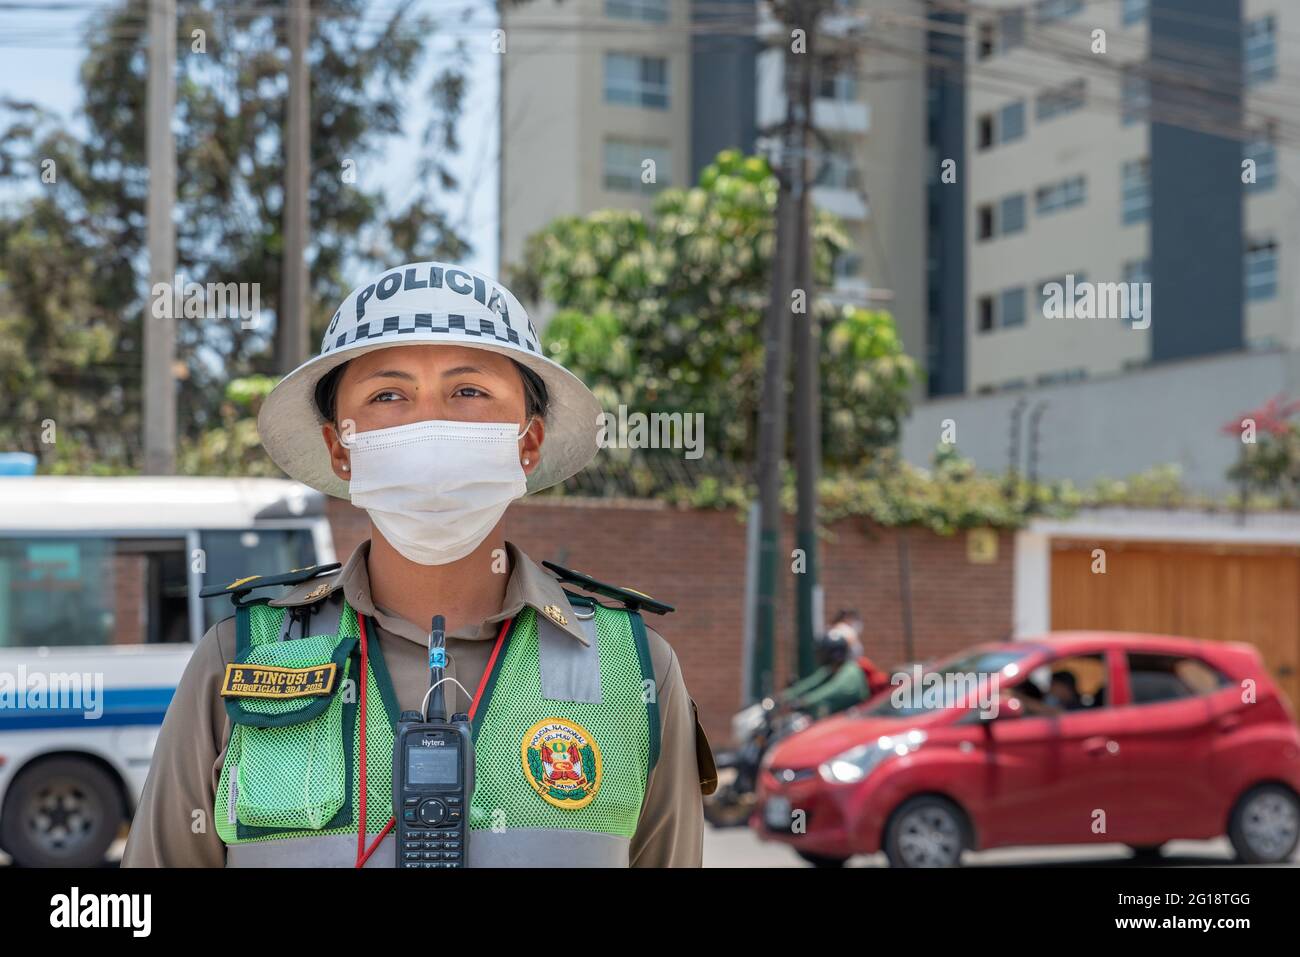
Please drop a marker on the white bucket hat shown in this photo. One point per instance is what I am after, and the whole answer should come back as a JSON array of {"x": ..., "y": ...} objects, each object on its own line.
[{"x": 428, "y": 302}]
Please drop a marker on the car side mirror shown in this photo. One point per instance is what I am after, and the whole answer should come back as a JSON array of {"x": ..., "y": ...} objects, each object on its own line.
[{"x": 1009, "y": 705}]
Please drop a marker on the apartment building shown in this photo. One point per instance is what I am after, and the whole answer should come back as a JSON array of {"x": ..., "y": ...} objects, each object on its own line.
[
  {"x": 1141, "y": 141},
  {"x": 592, "y": 89},
  {"x": 1105, "y": 141}
]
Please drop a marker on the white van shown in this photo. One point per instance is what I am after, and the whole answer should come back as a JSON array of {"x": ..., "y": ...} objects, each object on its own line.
[{"x": 99, "y": 612}]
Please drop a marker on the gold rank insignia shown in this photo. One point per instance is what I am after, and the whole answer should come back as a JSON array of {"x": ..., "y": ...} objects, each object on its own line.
[
  {"x": 317, "y": 592},
  {"x": 553, "y": 612}
]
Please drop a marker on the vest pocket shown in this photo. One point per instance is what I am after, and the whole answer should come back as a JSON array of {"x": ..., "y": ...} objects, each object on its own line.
[{"x": 292, "y": 759}]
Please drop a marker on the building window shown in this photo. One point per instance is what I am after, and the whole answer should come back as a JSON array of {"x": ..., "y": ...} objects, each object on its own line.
[
  {"x": 1011, "y": 214},
  {"x": 987, "y": 41},
  {"x": 1135, "y": 97},
  {"x": 636, "y": 80},
  {"x": 1134, "y": 11},
  {"x": 839, "y": 84},
  {"x": 1011, "y": 122},
  {"x": 1261, "y": 270},
  {"x": 1062, "y": 99},
  {"x": 998, "y": 36},
  {"x": 1044, "y": 294},
  {"x": 625, "y": 163},
  {"x": 1063, "y": 195},
  {"x": 837, "y": 171},
  {"x": 1011, "y": 30},
  {"x": 1011, "y": 307},
  {"x": 1004, "y": 126},
  {"x": 1046, "y": 11},
  {"x": 651, "y": 11},
  {"x": 1135, "y": 192},
  {"x": 1263, "y": 151},
  {"x": 1003, "y": 218},
  {"x": 1004, "y": 310},
  {"x": 1260, "y": 53}
]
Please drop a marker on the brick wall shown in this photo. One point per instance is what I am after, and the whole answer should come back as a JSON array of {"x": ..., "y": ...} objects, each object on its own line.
[{"x": 696, "y": 561}]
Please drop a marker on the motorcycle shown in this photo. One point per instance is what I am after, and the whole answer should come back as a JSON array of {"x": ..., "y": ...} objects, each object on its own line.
[{"x": 756, "y": 728}]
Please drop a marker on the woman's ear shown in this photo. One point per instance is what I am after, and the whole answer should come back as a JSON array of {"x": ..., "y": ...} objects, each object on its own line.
[
  {"x": 530, "y": 446},
  {"x": 339, "y": 459}
]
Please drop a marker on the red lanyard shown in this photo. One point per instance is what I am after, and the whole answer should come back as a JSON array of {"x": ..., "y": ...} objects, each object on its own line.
[{"x": 363, "y": 853}]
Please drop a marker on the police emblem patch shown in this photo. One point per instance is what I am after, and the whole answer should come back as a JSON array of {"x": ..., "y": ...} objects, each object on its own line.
[{"x": 562, "y": 763}]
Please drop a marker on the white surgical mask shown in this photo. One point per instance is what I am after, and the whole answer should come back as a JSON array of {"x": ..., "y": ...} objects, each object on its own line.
[{"x": 435, "y": 489}]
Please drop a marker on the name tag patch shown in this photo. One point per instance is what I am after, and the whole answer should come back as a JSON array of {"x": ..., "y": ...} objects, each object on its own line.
[{"x": 270, "y": 681}]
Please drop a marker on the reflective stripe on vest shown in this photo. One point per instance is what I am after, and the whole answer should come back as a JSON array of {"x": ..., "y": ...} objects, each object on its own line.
[
  {"x": 524, "y": 847},
  {"x": 569, "y": 795}
]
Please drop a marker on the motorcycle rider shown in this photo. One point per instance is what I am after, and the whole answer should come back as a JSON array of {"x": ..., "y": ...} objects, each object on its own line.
[{"x": 843, "y": 681}]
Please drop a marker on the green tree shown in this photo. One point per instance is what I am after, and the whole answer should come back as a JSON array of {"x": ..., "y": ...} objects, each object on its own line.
[
  {"x": 665, "y": 313},
  {"x": 72, "y": 251}
]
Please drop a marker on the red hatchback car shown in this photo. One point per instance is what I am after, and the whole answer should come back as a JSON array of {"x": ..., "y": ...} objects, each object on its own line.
[{"x": 1073, "y": 738}]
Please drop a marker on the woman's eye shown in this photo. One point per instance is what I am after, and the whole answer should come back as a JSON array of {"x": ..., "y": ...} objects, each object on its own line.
[
  {"x": 386, "y": 397},
  {"x": 469, "y": 391}
]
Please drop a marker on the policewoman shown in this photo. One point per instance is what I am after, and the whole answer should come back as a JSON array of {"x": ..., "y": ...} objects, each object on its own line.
[{"x": 432, "y": 408}]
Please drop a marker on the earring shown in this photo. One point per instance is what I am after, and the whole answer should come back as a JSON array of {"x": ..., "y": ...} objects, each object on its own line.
[
  {"x": 346, "y": 468},
  {"x": 525, "y": 460}
]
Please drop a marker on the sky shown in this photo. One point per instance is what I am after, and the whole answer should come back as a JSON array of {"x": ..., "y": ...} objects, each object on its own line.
[{"x": 42, "y": 46}]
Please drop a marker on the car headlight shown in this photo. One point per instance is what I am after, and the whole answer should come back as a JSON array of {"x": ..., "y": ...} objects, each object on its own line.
[{"x": 856, "y": 763}]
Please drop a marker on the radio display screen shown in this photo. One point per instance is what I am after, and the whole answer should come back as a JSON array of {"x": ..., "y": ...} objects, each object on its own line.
[{"x": 425, "y": 766}]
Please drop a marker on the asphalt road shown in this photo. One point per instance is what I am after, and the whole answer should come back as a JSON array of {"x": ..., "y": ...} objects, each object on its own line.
[{"x": 738, "y": 847}]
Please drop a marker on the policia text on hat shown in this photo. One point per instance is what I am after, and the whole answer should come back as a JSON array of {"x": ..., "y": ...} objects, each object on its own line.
[{"x": 431, "y": 407}]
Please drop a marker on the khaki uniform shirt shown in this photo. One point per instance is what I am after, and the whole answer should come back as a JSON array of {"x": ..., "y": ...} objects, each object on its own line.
[{"x": 173, "y": 824}]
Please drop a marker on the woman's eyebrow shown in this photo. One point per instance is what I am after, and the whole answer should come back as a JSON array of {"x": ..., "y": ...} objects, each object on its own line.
[
  {"x": 390, "y": 374},
  {"x": 464, "y": 370}
]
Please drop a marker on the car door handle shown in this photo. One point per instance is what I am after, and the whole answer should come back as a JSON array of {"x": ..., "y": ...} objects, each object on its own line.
[{"x": 1100, "y": 745}]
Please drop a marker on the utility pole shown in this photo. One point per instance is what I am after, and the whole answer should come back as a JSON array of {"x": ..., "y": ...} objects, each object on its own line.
[
  {"x": 791, "y": 168},
  {"x": 291, "y": 317},
  {"x": 807, "y": 372},
  {"x": 159, "y": 333}
]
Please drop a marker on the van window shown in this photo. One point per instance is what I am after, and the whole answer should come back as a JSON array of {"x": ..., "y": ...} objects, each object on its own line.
[
  {"x": 230, "y": 555},
  {"x": 92, "y": 591}
]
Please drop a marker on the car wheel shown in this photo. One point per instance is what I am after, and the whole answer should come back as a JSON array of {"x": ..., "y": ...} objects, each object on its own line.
[
  {"x": 926, "y": 832},
  {"x": 1146, "y": 853},
  {"x": 1265, "y": 825},
  {"x": 822, "y": 860},
  {"x": 63, "y": 812}
]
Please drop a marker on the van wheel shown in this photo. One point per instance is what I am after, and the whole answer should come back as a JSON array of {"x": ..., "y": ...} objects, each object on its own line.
[
  {"x": 1265, "y": 825},
  {"x": 62, "y": 812},
  {"x": 926, "y": 832}
]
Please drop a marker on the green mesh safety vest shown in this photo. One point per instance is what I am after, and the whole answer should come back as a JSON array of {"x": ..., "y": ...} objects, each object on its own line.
[{"x": 564, "y": 739}]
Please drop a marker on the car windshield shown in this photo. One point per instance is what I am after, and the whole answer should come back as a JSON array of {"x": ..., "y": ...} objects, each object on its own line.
[{"x": 966, "y": 680}]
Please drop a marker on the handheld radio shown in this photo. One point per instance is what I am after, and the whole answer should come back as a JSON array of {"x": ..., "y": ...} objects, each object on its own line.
[{"x": 433, "y": 774}]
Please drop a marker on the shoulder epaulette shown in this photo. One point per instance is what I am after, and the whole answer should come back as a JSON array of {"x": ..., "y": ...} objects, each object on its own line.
[
  {"x": 240, "y": 587},
  {"x": 629, "y": 597}
]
